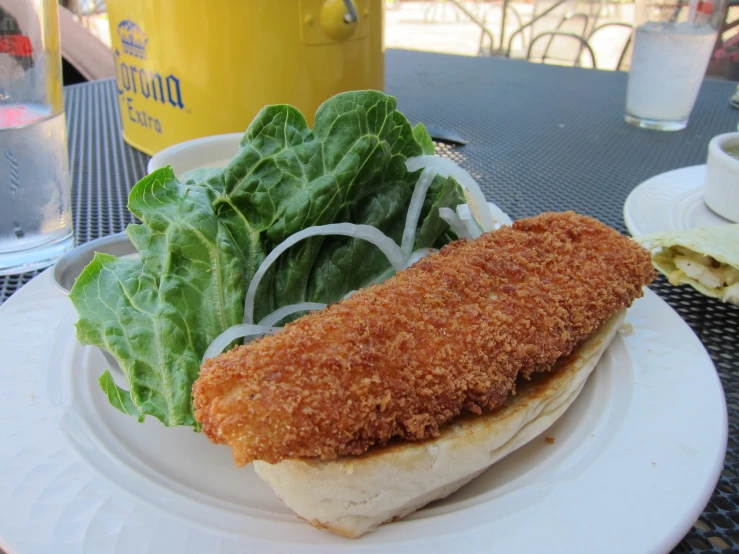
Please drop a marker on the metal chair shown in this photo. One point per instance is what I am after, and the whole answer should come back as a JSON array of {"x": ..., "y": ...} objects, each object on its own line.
[
  {"x": 509, "y": 11},
  {"x": 583, "y": 44},
  {"x": 627, "y": 45},
  {"x": 572, "y": 24},
  {"x": 577, "y": 23}
]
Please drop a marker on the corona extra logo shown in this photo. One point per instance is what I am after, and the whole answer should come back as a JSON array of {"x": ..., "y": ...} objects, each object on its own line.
[
  {"x": 133, "y": 39},
  {"x": 140, "y": 84}
]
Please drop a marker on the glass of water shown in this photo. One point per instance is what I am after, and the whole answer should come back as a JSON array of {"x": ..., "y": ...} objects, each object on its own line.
[
  {"x": 673, "y": 42},
  {"x": 35, "y": 206}
]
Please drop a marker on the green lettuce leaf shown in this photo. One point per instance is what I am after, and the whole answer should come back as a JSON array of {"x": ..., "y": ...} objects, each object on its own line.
[
  {"x": 118, "y": 397},
  {"x": 201, "y": 241},
  {"x": 121, "y": 310},
  {"x": 423, "y": 139}
]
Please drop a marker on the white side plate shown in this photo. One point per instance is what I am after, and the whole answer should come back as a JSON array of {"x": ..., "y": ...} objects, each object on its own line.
[{"x": 671, "y": 201}]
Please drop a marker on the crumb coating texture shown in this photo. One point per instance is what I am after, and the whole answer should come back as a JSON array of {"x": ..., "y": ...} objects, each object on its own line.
[{"x": 399, "y": 359}]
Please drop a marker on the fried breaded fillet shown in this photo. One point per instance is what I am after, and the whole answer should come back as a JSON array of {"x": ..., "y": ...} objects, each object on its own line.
[{"x": 450, "y": 334}]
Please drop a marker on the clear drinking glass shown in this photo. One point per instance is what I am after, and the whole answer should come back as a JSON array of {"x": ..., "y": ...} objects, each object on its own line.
[
  {"x": 673, "y": 42},
  {"x": 35, "y": 206}
]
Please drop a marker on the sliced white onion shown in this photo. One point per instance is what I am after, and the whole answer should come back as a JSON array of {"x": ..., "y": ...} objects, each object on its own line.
[
  {"x": 447, "y": 168},
  {"x": 499, "y": 216},
  {"x": 420, "y": 253},
  {"x": 451, "y": 217},
  {"x": 414, "y": 210},
  {"x": 233, "y": 333},
  {"x": 463, "y": 211},
  {"x": 281, "y": 313},
  {"x": 348, "y": 294},
  {"x": 366, "y": 232},
  {"x": 465, "y": 215}
]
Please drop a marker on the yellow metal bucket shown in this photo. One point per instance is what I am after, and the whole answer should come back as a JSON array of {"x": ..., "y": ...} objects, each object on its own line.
[{"x": 193, "y": 68}]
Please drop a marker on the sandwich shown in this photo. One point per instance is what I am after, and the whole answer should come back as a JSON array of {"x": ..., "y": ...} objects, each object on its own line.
[
  {"x": 369, "y": 409},
  {"x": 407, "y": 333}
]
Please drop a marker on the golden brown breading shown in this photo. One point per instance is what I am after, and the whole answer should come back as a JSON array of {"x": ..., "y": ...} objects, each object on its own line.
[{"x": 401, "y": 358}]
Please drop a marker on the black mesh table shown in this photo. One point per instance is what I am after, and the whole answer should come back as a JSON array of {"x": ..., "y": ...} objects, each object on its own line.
[{"x": 540, "y": 138}]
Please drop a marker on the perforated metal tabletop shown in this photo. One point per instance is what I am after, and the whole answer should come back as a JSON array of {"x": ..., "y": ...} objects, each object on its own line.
[{"x": 540, "y": 138}]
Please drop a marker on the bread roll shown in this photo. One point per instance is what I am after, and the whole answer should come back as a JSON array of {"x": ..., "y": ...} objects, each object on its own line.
[{"x": 351, "y": 496}]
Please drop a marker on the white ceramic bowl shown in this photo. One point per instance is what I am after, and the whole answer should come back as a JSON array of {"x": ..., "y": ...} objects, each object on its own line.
[
  {"x": 722, "y": 177},
  {"x": 214, "y": 151}
]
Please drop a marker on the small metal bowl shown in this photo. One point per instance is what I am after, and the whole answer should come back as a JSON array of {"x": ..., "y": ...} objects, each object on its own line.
[{"x": 71, "y": 264}]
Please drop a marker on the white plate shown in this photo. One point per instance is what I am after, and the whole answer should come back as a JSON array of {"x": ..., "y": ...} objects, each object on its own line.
[
  {"x": 635, "y": 460},
  {"x": 205, "y": 152},
  {"x": 671, "y": 201}
]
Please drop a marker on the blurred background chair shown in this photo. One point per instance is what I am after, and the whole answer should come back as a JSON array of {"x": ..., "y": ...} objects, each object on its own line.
[
  {"x": 563, "y": 41},
  {"x": 609, "y": 35}
]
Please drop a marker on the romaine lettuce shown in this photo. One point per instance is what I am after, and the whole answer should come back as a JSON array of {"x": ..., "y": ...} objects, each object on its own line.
[{"x": 201, "y": 242}]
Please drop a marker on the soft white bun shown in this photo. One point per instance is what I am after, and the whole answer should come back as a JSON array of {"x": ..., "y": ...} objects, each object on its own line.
[{"x": 352, "y": 496}]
